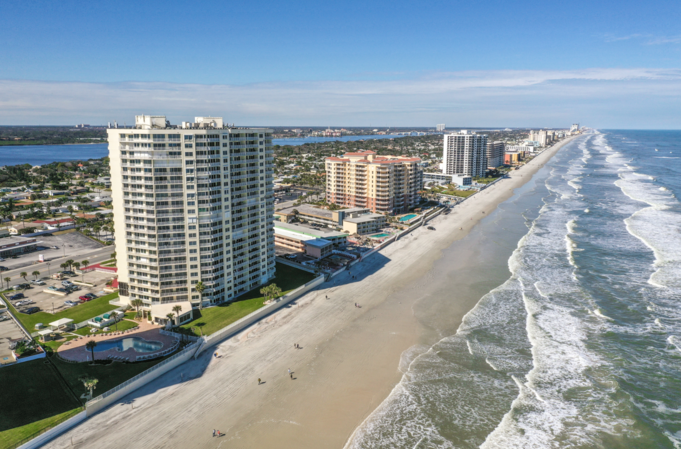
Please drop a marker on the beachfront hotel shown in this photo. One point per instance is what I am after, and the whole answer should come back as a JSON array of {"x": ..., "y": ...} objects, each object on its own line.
[
  {"x": 191, "y": 203},
  {"x": 464, "y": 153},
  {"x": 385, "y": 184}
]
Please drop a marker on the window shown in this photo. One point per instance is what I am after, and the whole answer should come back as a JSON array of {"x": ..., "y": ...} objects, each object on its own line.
[
  {"x": 188, "y": 137},
  {"x": 188, "y": 145},
  {"x": 189, "y": 153}
]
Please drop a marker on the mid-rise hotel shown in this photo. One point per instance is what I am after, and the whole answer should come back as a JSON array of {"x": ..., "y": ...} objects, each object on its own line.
[
  {"x": 387, "y": 184},
  {"x": 191, "y": 203}
]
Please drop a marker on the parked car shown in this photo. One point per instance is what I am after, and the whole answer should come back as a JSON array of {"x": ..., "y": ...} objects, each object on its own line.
[
  {"x": 4, "y": 317},
  {"x": 23, "y": 286},
  {"x": 66, "y": 283},
  {"x": 30, "y": 310},
  {"x": 70, "y": 303},
  {"x": 85, "y": 298},
  {"x": 68, "y": 273},
  {"x": 4, "y": 269},
  {"x": 62, "y": 290},
  {"x": 91, "y": 295},
  {"x": 16, "y": 296},
  {"x": 290, "y": 256},
  {"x": 53, "y": 288},
  {"x": 431, "y": 228},
  {"x": 72, "y": 288},
  {"x": 38, "y": 282}
]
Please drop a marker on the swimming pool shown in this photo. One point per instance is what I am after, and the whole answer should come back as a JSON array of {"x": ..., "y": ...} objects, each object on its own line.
[
  {"x": 379, "y": 236},
  {"x": 123, "y": 344},
  {"x": 408, "y": 217}
]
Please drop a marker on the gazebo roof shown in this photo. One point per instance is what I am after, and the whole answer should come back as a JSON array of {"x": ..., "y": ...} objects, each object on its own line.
[
  {"x": 61, "y": 322},
  {"x": 45, "y": 332}
]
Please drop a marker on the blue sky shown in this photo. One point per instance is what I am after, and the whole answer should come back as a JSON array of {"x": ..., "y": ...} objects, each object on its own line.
[{"x": 485, "y": 63}]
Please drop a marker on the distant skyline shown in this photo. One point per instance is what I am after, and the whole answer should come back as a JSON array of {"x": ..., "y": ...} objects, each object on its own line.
[{"x": 520, "y": 64}]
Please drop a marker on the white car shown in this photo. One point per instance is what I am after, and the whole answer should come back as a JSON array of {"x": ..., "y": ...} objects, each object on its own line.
[{"x": 38, "y": 282}]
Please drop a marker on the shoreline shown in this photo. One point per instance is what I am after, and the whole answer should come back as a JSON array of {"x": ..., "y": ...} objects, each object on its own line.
[{"x": 350, "y": 361}]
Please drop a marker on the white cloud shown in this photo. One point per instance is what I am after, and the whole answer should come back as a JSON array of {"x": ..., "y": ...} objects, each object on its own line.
[{"x": 470, "y": 98}]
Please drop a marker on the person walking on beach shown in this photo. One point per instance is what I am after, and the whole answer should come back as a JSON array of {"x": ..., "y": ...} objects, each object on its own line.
[
  {"x": 289, "y": 370},
  {"x": 259, "y": 381},
  {"x": 213, "y": 432}
]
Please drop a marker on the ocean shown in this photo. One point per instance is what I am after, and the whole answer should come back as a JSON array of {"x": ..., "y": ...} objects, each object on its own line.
[
  {"x": 45, "y": 154},
  {"x": 577, "y": 344}
]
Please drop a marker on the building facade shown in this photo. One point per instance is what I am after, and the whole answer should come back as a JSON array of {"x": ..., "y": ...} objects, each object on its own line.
[
  {"x": 495, "y": 153},
  {"x": 387, "y": 184},
  {"x": 191, "y": 204},
  {"x": 464, "y": 153}
]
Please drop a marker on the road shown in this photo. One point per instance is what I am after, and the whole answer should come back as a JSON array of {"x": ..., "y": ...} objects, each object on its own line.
[{"x": 52, "y": 265}]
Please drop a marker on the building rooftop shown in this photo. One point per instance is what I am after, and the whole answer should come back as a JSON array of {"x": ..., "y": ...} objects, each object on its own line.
[
  {"x": 306, "y": 209},
  {"x": 363, "y": 218},
  {"x": 308, "y": 231}
]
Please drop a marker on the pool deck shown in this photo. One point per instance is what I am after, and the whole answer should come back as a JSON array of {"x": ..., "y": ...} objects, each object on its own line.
[{"x": 76, "y": 351}]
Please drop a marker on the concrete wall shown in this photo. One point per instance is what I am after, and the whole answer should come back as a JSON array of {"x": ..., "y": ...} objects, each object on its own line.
[
  {"x": 54, "y": 432},
  {"x": 248, "y": 320},
  {"x": 140, "y": 380}
]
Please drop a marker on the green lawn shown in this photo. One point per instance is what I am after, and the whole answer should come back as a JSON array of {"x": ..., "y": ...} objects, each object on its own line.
[
  {"x": 215, "y": 318},
  {"x": 461, "y": 193},
  {"x": 32, "y": 391},
  {"x": 54, "y": 344},
  {"x": 79, "y": 313},
  {"x": 109, "y": 376},
  {"x": 123, "y": 325},
  {"x": 15, "y": 437}
]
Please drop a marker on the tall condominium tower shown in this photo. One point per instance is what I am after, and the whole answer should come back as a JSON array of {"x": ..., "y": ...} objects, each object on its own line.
[
  {"x": 495, "y": 153},
  {"x": 388, "y": 184},
  {"x": 191, "y": 203},
  {"x": 464, "y": 153}
]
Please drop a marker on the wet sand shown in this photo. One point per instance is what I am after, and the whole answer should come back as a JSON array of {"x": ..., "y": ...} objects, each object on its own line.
[{"x": 349, "y": 361}]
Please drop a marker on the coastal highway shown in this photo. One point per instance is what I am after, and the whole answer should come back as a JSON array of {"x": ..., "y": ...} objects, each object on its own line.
[{"x": 97, "y": 255}]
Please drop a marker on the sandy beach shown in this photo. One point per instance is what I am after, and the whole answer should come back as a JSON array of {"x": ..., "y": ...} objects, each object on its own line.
[{"x": 349, "y": 362}]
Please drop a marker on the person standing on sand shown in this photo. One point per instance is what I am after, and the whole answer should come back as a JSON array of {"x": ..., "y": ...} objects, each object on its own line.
[{"x": 213, "y": 432}]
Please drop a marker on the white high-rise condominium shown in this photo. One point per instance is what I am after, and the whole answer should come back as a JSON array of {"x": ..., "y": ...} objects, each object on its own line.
[
  {"x": 440, "y": 127},
  {"x": 191, "y": 204},
  {"x": 464, "y": 153}
]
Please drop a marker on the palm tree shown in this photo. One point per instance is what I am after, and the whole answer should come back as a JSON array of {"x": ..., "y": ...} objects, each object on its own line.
[
  {"x": 7, "y": 279},
  {"x": 137, "y": 303},
  {"x": 200, "y": 287},
  {"x": 91, "y": 345},
  {"x": 35, "y": 274},
  {"x": 177, "y": 309},
  {"x": 89, "y": 382},
  {"x": 84, "y": 264},
  {"x": 64, "y": 266},
  {"x": 170, "y": 317},
  {"x": 69, "y": 263},
  {"x": 76, "y": 265},
  {"x": 23, "y": 274}
]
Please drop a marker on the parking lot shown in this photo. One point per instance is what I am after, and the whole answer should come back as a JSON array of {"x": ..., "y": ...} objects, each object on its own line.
[
  {"x": 9, "y": 332},
  {"x": 54, "y": 303},
  {"x": 73, "y": 245}
]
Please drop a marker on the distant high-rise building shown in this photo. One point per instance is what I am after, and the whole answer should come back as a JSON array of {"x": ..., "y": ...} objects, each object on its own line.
[
  {"x": 191, "y": 204},
  {"x": 574, "y": 127},
  {"x": 540, "y": 136},
  {"x": 495, "y": 153},
  {"x": 464, "y": 153},
  {"x": 387, "y": 184},
  {"x": 440, "y": 127}
]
